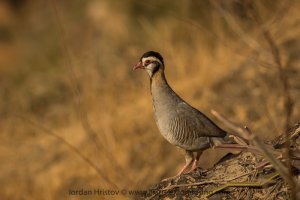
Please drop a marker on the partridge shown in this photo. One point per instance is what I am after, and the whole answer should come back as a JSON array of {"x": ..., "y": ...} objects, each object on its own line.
[{"x": 179, "y": 123}]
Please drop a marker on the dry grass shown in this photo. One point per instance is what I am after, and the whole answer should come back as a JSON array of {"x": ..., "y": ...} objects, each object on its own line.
[{"x": 77, "y": 81}]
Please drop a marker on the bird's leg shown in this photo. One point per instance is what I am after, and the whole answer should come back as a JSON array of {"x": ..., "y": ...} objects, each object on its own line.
[
  {"x": 189, "y": 158},
  {"x": 196, "y": 160}
]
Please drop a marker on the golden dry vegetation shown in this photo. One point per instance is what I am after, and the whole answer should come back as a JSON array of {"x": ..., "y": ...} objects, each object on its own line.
[{"x": 67, "y": 81}]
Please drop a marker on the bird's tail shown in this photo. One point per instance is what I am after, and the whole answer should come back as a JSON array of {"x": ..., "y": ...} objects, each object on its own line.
[{"x": 229, "y": 139}]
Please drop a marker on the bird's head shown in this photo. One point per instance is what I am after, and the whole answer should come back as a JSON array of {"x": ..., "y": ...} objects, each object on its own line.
[{"x": 152, "y": 62}]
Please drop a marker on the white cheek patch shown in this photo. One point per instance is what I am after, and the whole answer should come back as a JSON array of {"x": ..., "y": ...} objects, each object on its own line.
[
  {"x": 150, "y": 67},
  {"x": 149, "y": 71}
]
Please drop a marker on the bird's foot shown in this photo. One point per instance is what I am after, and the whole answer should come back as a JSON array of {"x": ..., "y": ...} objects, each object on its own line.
[
  {"x": 182, "y": 171},
  {"x": 170, "y": 178}
]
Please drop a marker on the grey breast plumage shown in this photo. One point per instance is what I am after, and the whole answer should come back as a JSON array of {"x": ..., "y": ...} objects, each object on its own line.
[{"x": 180, "y": 123}]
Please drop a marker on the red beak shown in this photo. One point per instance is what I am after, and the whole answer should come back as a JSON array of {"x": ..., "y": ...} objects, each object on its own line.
[{"x": 139, "y": 65}]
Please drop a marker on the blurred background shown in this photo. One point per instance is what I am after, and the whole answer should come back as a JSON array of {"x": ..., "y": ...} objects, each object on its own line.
[{"x": 73, "y": 114}]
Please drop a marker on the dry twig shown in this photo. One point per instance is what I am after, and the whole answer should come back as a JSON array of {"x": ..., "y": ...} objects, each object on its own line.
[{"x": 268, "y": 153}]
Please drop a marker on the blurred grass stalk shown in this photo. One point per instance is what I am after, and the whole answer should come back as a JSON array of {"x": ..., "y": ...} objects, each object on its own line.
[{"x": 76, "y": 78}]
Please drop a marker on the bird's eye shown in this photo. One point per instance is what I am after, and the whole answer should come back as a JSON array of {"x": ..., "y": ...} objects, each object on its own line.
[{"x": 147, "y": 62}]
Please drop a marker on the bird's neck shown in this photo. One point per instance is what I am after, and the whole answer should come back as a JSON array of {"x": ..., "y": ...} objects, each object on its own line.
[
  {"x": 158, "y": 80},
  {"x": 162, "y": 93}
]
